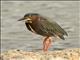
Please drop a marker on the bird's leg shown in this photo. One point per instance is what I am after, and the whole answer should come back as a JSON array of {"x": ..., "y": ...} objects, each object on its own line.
[{"x": 46, "y": 43}]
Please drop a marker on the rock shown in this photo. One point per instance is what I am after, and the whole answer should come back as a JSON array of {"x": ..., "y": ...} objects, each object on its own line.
[{"x": 67, "y": 54}]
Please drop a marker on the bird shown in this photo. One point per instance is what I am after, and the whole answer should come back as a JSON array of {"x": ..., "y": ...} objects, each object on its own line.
[{"x": 41, "y": 25}]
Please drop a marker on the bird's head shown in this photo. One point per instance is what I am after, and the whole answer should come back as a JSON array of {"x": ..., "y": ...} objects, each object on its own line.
[{"x": 30, "y": 17}]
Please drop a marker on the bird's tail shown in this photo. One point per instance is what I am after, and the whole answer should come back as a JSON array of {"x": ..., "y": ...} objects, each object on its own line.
[{"x": 62, "y": 37}]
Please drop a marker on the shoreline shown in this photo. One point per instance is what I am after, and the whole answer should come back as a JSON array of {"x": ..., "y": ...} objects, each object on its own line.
[{"x": 66, "y": 54}]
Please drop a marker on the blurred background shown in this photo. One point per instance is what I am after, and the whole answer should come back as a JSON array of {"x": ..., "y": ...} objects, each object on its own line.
[{"x": 14, "y": 34}]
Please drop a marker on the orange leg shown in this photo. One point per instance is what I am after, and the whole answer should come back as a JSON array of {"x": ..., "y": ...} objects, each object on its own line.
[{"x": 46, "y": 43}]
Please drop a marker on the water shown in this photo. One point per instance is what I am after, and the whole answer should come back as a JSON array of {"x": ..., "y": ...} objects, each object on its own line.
[{"x": 14, "y": 34}]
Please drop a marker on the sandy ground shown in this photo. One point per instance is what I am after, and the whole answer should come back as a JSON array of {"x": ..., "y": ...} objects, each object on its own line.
[{"x": 66, "y": 54}]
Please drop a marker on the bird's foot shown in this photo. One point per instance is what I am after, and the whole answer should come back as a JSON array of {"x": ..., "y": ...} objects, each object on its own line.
[{"x": 46, "y": 43}]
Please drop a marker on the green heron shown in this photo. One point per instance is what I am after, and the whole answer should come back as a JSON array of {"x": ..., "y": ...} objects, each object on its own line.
[{"x": 42, "y": 26}]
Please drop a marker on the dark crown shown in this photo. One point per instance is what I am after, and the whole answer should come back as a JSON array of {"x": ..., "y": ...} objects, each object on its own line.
[{"x": 31, "y": 14}]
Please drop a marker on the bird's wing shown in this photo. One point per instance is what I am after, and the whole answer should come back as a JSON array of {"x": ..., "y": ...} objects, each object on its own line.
[{"x": 52, "y": 27}]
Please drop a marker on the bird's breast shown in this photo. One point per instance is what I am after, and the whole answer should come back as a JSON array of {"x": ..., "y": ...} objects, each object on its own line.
[{"x": 30, "y": 27}]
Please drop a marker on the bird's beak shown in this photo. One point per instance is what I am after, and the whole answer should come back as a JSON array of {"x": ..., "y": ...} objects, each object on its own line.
[
  {"x": 27, "y": 19},
  {"x": 21, "y": 19}
]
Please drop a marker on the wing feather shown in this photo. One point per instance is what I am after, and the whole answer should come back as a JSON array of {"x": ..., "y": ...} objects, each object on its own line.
[{"x": 52, "y": 28}]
